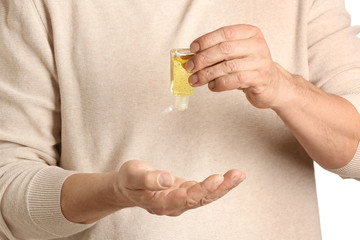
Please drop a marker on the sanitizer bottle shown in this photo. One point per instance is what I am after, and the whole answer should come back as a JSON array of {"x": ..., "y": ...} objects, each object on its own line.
[{"x": 180, "y": 86}]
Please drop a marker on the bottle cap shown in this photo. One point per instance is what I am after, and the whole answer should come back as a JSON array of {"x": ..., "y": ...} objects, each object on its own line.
[{"x": 181, "y": 102}]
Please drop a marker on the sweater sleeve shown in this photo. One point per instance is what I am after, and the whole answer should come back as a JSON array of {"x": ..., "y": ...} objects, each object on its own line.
[
  {"x": 334, "y": 60},
  {"x": 30, "y": 126}
]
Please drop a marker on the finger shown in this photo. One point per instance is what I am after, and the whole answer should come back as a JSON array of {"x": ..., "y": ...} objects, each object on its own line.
[
  {"x": 238, "y": 80},
  {"x": 222, "y": 69},
  {"x": 232, "y": 179},
  {"x": 197, "y": 193},
  {"x": 222, "y": 51},
  {"x": 175, "y": 199},
  {"x": 223, "y": 34},
  {"x": 168, "y": 200},
  {"x": 188, "y": 184}
]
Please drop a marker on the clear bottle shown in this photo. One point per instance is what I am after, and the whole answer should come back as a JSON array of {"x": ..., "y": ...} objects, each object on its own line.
[{"x": 180, "y": 86}]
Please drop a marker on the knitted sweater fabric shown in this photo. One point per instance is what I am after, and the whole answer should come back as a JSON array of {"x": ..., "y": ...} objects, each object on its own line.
[{"x": 84, "y": 87}]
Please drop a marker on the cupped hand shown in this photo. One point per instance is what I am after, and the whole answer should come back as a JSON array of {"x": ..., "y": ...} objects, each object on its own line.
[
  {"x": 161, "y": 193},
  {"x": 238, "y": 57}
]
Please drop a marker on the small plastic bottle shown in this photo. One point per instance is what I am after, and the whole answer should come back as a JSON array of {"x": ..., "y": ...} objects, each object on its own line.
[{"x": 180, "y": 86}]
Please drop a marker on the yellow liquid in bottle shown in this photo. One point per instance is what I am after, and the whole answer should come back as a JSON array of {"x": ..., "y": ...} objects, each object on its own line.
[
  {"x": 180, "y": 86},
  {"x": 179, "y": 82}
]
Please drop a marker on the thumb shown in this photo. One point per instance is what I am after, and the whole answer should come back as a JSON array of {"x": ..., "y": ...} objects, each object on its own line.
[
  {"x": 157, "y": 180},
  {"x": 138, "y": 175}
]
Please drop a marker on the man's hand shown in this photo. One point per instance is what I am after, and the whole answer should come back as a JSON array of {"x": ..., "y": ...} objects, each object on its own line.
[
  {"x": 86, "y": 198},
  {"x": 161, "y": 193},
  {"x": 238, "y": 57}
]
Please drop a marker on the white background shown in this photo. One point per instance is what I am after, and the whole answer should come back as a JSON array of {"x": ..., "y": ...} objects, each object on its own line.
[{"x": 339, "y": 200}]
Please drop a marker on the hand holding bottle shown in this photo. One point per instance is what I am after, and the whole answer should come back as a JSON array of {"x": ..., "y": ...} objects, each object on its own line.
[{"x": 238, "y": 57}]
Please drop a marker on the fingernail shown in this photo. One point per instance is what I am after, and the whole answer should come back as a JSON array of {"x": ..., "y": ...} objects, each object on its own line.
[
  {"x": 212, "y": 85},
  {"x": 193, "y": 79},
  {"x": 165, "y": 180},
  {"x": 194, "y": 47},
  {"x": 189, "y": 65},
  {"x": 237, "y": 179}
]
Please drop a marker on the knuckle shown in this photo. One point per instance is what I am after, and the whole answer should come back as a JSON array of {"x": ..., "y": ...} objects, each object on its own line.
[
  {"x": 230, "y": 66},
  {"x": 205, "y": 201},
  {"x": 200, "y": 60},
  {"x": 208, "y": 74},
  {"x": 224, "y": 82},
  {"x": 208, "y": 40},
  {"x": 190, "y": 203},
  {"x": 228, "y": 32},
  {"x": 241, "y": 77},
  {"x": 225, "y": 47},
  {"x": 205, "y": 75}
]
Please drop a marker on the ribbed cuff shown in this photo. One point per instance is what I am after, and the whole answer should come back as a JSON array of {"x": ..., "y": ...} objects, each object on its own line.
[{"x": 43, "y": 203}]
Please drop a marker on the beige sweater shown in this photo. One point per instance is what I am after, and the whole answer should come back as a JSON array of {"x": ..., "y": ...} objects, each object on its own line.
[{"x": 84, "y": 87}]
